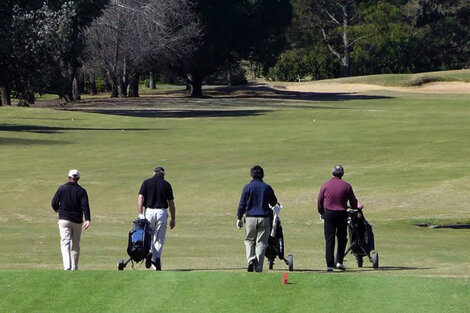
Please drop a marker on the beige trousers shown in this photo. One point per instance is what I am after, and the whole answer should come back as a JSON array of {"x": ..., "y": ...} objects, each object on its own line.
[
  {"x": 70, "y": 233},
  {"x": 256, "y": 239}
]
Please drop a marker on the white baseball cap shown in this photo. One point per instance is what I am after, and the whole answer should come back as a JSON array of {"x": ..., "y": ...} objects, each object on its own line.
[{"x": 74, "y": 173}]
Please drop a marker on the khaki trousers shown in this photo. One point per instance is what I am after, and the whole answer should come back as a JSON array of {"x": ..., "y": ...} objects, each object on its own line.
[
  {"x": 70, "y": 233},
  {"x": 256, "y": 239}
]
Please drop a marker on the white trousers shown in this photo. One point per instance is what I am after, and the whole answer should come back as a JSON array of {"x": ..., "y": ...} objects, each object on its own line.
[
  {"x": 158, "y": 220},
  {"x": 70, "y": 233}
]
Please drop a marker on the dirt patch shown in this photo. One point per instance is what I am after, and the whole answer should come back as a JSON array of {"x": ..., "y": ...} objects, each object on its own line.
[
  {"x": 453, "y": 226},
  {"x": 438, "y": 87}
]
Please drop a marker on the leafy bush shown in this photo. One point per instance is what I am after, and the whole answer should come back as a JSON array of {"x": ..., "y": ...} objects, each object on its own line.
[{"x": 294, "y": 65}]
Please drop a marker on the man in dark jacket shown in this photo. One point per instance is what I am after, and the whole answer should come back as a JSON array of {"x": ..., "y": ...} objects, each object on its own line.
[
  {"x": 255, "y": 202},
  {"x": 71, "y": 202},
  {"x": 332, "y": 205}
]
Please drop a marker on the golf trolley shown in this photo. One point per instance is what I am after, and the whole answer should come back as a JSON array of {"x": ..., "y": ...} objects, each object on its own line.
[
  {"x": 138, "y": 246},
  {"x": 276, "y": 242},
  {"x": 361, "y": 238}
]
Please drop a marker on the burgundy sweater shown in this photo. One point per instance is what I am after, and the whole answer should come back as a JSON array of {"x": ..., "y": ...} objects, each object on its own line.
[{"x": 334, "y": 195}]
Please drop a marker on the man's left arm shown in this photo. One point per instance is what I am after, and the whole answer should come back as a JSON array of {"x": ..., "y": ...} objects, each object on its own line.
[
  {"x": 86, "y": 210},
  {"x": 352, "y": 199},
  {"x": 171, "y": 204}
]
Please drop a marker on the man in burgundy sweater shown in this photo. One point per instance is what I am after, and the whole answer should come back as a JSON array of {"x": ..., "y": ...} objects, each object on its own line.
[{"x": 332, "y": 205}]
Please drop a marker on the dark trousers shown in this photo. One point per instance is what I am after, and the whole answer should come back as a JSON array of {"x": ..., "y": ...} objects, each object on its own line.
[{"x": 336, "y": 223}]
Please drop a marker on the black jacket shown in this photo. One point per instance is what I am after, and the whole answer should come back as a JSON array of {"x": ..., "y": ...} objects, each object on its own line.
[{"x": 71, "y": 201}]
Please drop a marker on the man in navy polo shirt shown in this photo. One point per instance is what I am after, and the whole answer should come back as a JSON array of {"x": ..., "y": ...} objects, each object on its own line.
[
  {"x": 332, "y": 205},
  {"x": 156, "y": 195},
  {"x": 71, "y": 202},
  {"x": 255, "y": 200}
]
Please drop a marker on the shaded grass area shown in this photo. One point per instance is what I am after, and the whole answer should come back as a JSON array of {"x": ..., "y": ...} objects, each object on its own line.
[{"x": 129, "y": 291}]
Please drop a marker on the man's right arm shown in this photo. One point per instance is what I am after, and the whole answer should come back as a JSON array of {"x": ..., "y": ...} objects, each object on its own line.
[
  {"x": 321, "y": 197},
  {"x": 140, "y": 204},
  {"x": 55, "y": 203}
]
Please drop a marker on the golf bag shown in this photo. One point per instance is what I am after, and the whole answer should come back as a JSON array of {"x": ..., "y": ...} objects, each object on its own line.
[
  {"x": 139, "y": 243},
  {"x": 276, "y": 241},
  {"x": 140, "y": 240},
  {"x": 361, "y": 238}
]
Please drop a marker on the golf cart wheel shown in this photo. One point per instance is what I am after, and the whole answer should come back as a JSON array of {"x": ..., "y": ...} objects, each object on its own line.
[
  {"x": 290, "y": 260},
  {"x": 121, "y": 265},
  {"x": 375, "y": 260},
  {"x": 360, "y": 261}
]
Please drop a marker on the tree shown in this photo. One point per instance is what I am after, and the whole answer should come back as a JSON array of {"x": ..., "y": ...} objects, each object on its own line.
[
  {"x": 334, "y": 19},
  {"x": 233, "y": 30},
  {"x": 39, "y": 39},
  {"x": 445, "y": 30},
  {"x": 134, "y": 36},
  {"x": 391, "y": 44}
]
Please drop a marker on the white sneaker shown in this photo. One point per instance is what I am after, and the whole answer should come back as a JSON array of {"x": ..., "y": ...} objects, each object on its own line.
[{"x": 340, "y": 266}]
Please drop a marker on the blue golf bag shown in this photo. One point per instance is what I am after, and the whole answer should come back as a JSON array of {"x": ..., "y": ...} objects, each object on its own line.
[{"x": 139, "y": 243}]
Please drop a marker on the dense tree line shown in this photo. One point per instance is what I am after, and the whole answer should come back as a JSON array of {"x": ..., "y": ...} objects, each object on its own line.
[
  {"x": 56, "y": 46},
  {"x": 330, "y": 38}
]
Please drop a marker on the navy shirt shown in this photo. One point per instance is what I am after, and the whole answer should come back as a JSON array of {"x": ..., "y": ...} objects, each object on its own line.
[
  {"x": 255, "y": 199},
  {"x": 156, "y": 192},
  {"x": 71, "y": 200}
]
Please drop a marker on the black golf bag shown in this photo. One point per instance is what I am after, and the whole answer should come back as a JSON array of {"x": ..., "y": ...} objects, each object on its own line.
[
  {"x": 276, "y": 245},
  {"x": 139, "y": 243},
  {"x": 361, "y": 238}
]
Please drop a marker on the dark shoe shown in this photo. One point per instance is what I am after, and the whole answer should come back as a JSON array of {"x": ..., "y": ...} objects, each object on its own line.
[
  {"x": 148, "y": 261},
  {"x": 251, "y": 266},
  {"x": 329, "y": 269},
  {"x": 157, "y": 264}
]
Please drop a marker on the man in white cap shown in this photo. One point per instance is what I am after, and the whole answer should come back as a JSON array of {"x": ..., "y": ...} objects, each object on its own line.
[
  {"x": 71, "y": 202},
  {"x": 156, "y": 196}
]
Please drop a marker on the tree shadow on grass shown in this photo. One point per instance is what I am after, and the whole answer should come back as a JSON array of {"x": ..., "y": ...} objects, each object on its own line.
[
  {"x": 263, "y": 91},
  {"x": 368, "y": 269},
  {"x": 26, "y": 142},
  {"x": 186, "y": 113},
  {"x": 55, "y": 130}
]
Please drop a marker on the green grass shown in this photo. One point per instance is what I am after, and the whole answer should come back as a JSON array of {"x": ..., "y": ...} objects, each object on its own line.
[
  {"x": 105, "y": 291},
  {"x": 407, "y": 157},
  {"x": 408, "y": 80}
]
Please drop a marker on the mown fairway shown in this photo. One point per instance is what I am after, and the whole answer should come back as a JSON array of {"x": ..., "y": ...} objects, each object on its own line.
[{"x": 406, "y": 155}]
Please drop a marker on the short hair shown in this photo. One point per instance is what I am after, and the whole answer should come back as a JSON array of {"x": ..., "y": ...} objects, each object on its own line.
[
  {"x": 257, "y": 172},
  {"x": 159, "y": 171},
  {"x": 338, "y": 171}
]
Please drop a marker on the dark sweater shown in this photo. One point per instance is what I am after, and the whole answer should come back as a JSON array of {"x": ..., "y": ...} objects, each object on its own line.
[
  {"x": 255, "y": 200},
  {"x": 71, "y": 201}
]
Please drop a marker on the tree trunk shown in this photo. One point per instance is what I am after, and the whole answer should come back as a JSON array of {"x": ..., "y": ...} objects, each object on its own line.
[
  {"x": 5, "y": 98},
  {"x": 113, "y": 84},
  {"x": 75, "y": 89},
  {"x": 123, "y": 80},
  {"x": 134, "y": 85},
  {"x": 93, "y": 89},
  {"x": 229, "y": 76},
  {"x": 29, "y": 96},
  {"x": 346, "y": 47},
  {"x": 153, "y": 81},
  {"x": 195, "y": 84}
]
